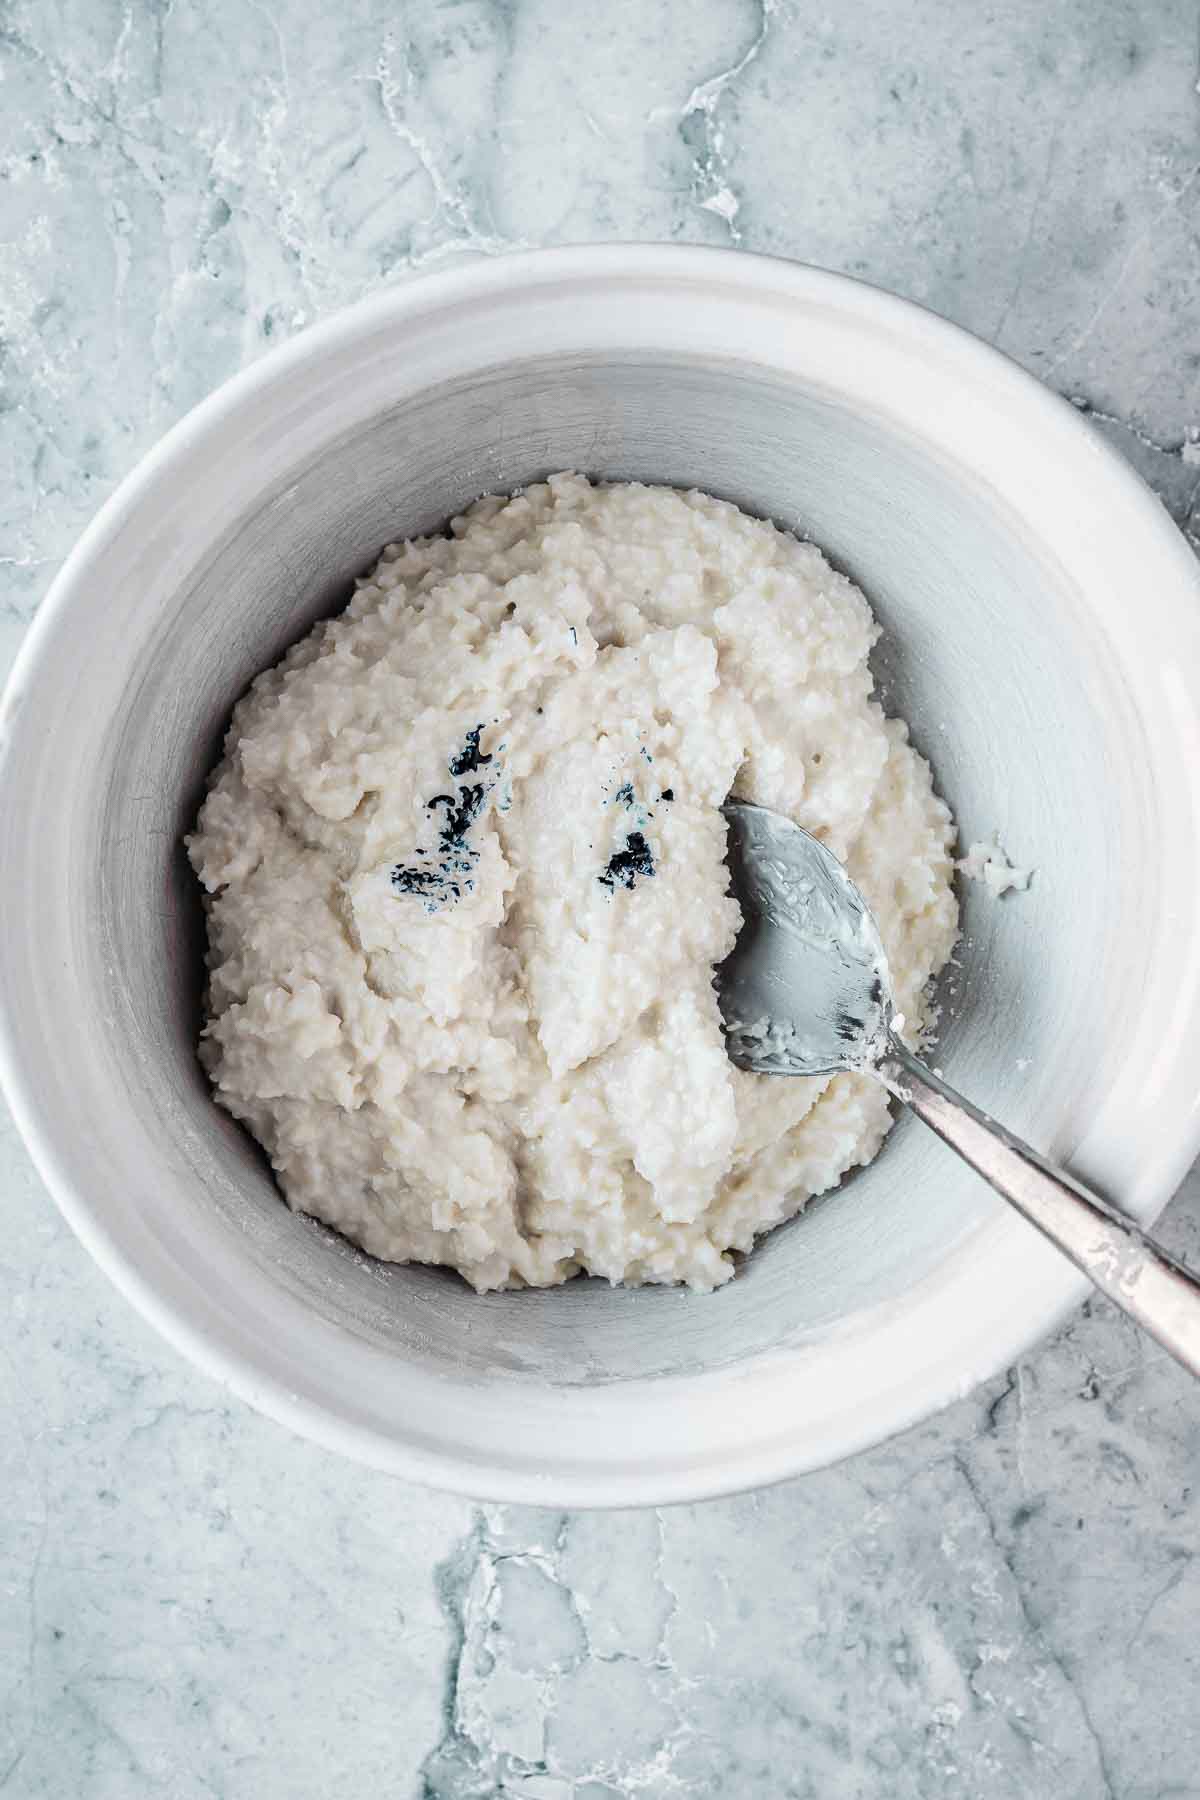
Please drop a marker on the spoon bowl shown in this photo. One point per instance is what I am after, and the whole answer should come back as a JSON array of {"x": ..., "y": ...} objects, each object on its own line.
[{"x": 806, "y": 990}]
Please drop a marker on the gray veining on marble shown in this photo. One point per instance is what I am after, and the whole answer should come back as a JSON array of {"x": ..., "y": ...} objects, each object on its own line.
[{"x": 193, "y": 1603}]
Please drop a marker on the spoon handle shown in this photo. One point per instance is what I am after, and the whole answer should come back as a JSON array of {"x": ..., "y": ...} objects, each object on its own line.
[{"x": 1124, "y": 1261}]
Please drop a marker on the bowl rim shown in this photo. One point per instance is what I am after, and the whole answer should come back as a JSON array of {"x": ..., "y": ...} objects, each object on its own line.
[{"x": 205, "y": 1338}]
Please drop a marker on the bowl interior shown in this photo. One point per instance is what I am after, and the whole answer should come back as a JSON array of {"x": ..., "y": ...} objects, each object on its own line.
[{"x": 988, "y": 652}]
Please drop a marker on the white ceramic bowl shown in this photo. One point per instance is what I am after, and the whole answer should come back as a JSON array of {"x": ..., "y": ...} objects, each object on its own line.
[{"x": 1042, "y": 633}]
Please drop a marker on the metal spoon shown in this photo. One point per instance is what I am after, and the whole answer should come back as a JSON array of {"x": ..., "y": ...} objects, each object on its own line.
[{"x": 806, "y": 990}]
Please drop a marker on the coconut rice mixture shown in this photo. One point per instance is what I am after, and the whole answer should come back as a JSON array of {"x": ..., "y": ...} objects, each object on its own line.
[{"x": 466, "y": 887}]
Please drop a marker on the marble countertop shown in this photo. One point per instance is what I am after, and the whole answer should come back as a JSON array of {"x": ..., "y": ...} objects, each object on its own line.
[{"x": 1000, "y": 1603}]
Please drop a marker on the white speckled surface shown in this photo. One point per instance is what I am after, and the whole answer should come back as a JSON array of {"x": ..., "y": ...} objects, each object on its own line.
[{"x": 1001, "y": 1603}]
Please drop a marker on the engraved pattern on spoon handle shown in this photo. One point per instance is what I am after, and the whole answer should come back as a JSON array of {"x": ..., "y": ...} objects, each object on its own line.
[{"x": 1123, "y": 1260}]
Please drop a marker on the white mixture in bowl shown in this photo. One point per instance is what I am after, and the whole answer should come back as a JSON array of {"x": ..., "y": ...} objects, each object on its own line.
[{"x": 466, "y": 882}]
